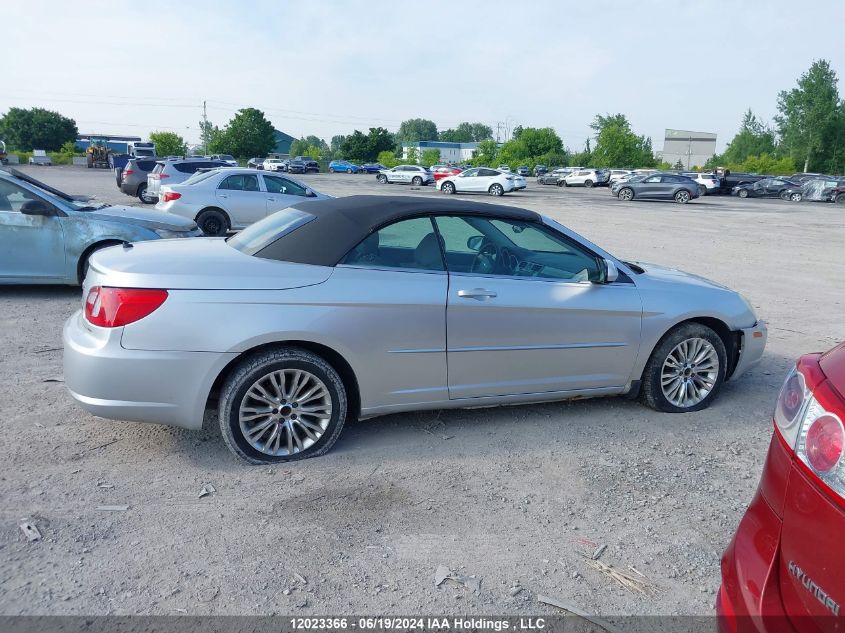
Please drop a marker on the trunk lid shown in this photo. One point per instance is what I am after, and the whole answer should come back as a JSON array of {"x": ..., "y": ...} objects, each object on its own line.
[{"x": 199, "y": 263}]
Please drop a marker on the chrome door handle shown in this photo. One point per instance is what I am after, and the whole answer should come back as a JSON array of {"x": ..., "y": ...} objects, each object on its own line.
[
  {"x": 476, "y": 293},
  {"x": 222, "y": 195}
]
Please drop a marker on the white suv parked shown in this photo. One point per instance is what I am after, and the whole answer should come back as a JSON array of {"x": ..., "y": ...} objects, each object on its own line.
[
  {"x": 480, "y": 180},
  {"x": 405, "y": 175},
  {"x": 710, "y": 182},
  {"x": 585, "y": 177}
]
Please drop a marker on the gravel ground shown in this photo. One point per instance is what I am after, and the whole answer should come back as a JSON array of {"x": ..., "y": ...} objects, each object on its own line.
[{"x": 509, "y": 495}]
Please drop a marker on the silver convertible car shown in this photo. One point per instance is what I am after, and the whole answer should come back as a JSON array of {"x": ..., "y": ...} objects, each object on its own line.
[{"x": 366, "y": 305}]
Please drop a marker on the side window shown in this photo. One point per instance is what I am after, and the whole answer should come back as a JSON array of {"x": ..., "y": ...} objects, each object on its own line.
[
  {"x": 281, "y": 185},
  {"x": 404, "y": 244},
  {"x": 487, "y": 172},
  {"x": 652, "y": 179},
  {"x": 513, "y": 248},
  {"x": 13, "y": 197},
  {"x": 240, "y": 183},
  {"x": 469, "y": 173}
]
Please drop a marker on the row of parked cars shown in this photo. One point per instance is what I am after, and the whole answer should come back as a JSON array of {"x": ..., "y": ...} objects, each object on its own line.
[{"x": 296, "y": 165}]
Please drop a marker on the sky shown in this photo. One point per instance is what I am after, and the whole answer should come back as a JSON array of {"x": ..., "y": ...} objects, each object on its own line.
[{"x": 328, "y": 67}]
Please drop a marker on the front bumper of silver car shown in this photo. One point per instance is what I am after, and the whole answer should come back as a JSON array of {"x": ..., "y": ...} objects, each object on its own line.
[{"x": 752, "y": 345}]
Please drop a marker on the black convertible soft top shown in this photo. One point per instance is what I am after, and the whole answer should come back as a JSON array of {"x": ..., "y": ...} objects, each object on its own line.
[{"x": 341, "y": 223}]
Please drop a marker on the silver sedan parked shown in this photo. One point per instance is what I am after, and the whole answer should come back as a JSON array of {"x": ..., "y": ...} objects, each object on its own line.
[{"x": 339, "y": 309}]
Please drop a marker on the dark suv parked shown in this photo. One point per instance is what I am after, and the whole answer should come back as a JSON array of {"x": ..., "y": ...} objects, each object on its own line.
[{"x": 133, "y": 178}]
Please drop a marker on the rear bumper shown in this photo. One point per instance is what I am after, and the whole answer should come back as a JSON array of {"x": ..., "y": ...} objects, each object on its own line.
[
  {"x": 749, "y": 599},
  {"x": 139, "y": 385},
  {"x": 753, "y": 344}
]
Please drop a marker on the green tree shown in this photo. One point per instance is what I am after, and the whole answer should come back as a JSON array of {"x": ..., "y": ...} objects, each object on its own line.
[
  {"x": 467, "y": 133},
  {"x": 539, "y": 141},
  {"x": 754, "y": 138},
  {"x": 517, "y": 132},
  {"x": 168, "y": 143},
  {"x": 413, "y": 156},
  {"x": 337, "y": 142},
  {"x": 36, "y": 128},
  {"x": 583, "y": 158},
  {"x": 679, "y": 165},
  {"x": 356, "y": 147},
  {"x": 207, "y": 134},
  {"x": 378, "y": 141},
  {"x": 486, "y": 153},
  {"x": 811, "y": 119},
  {"x": 414, "y": 130},
  {"x": 387, "y": 158},
  {"x": 617, "y": 145},
  {"x": 430, "y": 157},
  {"x": 249, "y": 133},
  {"x": 765, "y": 164}
]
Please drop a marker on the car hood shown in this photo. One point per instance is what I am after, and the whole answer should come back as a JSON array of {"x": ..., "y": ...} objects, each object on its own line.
[
  {"x": 672, "y": 275},
  {"x": 148, "y": 218},
  {"x": 199, "y": 263}
]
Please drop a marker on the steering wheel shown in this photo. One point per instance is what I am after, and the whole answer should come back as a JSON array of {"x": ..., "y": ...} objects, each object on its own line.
[{"x": 485, "y": 259}]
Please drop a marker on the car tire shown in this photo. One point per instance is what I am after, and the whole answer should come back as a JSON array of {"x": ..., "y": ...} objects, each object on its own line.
[
  {"x": 795, "y": 197},
  {"x": 299, "y": 436},
  {"x": 683, "y": 196},
  {"x": 626, "y": 194},
  {"x": 665, "y": 388},
  {"x": 840, "y": 198},
  {"x": 588, "y": 183},
  {"x": 142, "y": 194},
  {"x": 742, "y": 193},
  {"x": 212, "y": 222},
  {"x": 331, "y": 170},
  {"x": 349, "y": 171},
  {"x": 496, "y": 190},
  {"x": 382, "y": 179},
  {"x": 561, "y": 183},
  {"x": 702, "y": 190},
  {"x": 416, "y": 181},
  {"x": 448, "y": 188},
  {"x": 784, "y": 195}
]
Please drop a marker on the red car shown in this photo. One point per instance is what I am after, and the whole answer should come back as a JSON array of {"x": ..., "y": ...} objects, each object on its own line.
[
  {"x": 782, "y": 570},
  {"x": 442, "y": 172}
]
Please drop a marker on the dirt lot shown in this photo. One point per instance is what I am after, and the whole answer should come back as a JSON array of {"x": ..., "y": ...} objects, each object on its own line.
[{"x": 510, "y": 495}]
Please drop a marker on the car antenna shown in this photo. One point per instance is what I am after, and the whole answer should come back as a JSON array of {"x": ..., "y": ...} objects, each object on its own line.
[{"x": 127, "y": 245}]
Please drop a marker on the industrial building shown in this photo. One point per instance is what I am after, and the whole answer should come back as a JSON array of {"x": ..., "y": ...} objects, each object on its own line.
[
  {"x": 693, "y": 149},
  {"x": 449, "y": 152}
]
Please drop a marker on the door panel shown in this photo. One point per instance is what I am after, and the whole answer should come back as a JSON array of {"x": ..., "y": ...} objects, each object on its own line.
[
  {"x": 240, "y": 196},
  {"x": 32, "y": 247},
  {"x": 537, "y": 336},
  {"x": 394, "y": 322}
]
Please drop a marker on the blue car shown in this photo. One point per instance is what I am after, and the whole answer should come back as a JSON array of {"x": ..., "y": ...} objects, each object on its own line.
[
  {"x": 372, "y": 168},
  {"x": 48, "y": 236},
  {"x": 343, "y": 165}
]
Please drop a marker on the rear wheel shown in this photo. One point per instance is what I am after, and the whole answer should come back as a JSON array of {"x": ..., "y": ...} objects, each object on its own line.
[
  {"x": 142, "y": 194},
  {"x": 331, "y": 170},
  {"x": 496, "y": 190},
  {"x": 685, "y": 371},
  {"x": 625, "y": 194},
  {"x": 448, "y": 187},
  {"x": 349, "y": 170},
  {"x": 795, "y": 197},
  {"x": 282, "y": 405},
  {"x": 588, "y": 183},
  {"x": 382, "y": 179},
  {"x": 213, "y": 222},
  {"x": 682, "y": 197},
  {"x": 840, "y": 198},
  {"x": 742, "y": 193},
  {"x": 417, "y": 181}
]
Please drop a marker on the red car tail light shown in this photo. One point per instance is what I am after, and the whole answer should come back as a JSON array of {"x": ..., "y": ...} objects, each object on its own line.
[
  {"x": 807, "y": 417},
  {"x": 128, "y": 172},
  {"x": 169, "y": 196},
  {"x": 115, "y": 307}
]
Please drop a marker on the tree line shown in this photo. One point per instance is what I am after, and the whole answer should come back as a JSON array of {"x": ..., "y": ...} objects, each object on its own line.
[{"x": 808, "y": 132}]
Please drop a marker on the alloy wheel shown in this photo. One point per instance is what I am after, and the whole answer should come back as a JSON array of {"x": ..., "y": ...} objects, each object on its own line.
[
  {"x": 682, "y": 197},
  {"x": 689, "y": 372},
  {"x": 626, "y": 195},
  {"x": 285, "y": 412}
]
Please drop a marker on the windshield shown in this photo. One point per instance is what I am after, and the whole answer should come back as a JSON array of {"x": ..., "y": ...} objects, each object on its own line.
[
  {"x": 264, "y": 232},
  {"x": 227, "y": 157}
]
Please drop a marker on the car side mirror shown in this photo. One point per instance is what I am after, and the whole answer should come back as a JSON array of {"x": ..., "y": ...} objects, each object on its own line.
[
  {"x": 611, "y": 272},
  {"x": 37, "y": 207},
  {"x": 474, "y": 242},
  {"x": 310, "y": 193}
]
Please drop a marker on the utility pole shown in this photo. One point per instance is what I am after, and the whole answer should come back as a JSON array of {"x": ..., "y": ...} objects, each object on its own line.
[{"x": 204, "y": 127}]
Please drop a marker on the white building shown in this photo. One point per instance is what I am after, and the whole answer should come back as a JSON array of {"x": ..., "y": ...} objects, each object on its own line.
[
  {"x": 449, "y": 152},
  {"x": 693, "y": 149}
]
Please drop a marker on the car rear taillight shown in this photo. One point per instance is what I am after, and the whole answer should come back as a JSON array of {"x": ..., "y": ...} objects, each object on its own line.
[
  {"x": 115, "y": 307},
  {"x": 807, "y": 417},
  {"x": 128, "y": 172},
  {"x": 163, "y": 176},
  {"x": 170, "y": 196}
]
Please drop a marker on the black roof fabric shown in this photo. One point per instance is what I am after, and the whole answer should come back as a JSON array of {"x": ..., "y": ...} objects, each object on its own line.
[{"x": 341, "y": 223}]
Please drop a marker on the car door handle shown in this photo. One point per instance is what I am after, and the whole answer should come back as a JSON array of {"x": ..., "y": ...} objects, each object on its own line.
[
  {"x": 477, "y": 293},
  {"x": 222, "y": 195}
]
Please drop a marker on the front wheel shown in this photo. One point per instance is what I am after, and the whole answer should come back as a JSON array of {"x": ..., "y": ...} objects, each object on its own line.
[
  {"x": 840, "y": 198},
  {"x": 742, "y": 193},
  {"x": 625, "y": 194},
  {"x": 213, "y": 223},
  {"x": 682, "y": 197},
  {"x": 496, "y": 190},
  {"x": 795, "y": 197},
  {"x": 282, "y": 405},
  {"x": 448, "y": 187},
  {"x": 349, "y": 171},
  {"x": 685, "y": 371},
  {"x": 382, "y": 179},
  {"x": 331, "y": 170}
]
